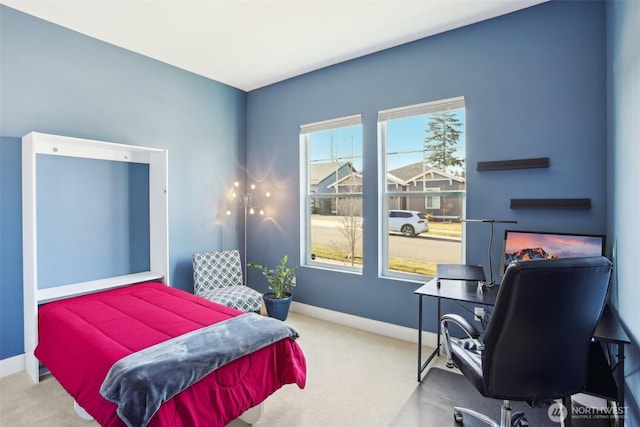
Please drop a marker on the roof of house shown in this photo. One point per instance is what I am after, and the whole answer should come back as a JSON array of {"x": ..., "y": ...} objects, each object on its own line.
[
  {"x": 415, "y": 171},
  {"x": 354, "y": 177},
  {"x": 319, "y": 171}
]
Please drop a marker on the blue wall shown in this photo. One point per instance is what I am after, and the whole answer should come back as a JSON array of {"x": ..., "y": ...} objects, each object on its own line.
[
  {"x": 542, "y": 82},
  {"x": 538, "y": 83},
  {"x": 534, "y": 86},
  {"x": 53, "y": 80},
  {"x": 623, "y": 138},
  {"x": 109, "y": 205},
  {"x": 11, "y": 302}
]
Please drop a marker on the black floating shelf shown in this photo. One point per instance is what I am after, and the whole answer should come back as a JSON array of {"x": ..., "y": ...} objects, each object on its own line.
[
  {"x": 550, "y": 203},
  {"x": 539, "y": 162}
]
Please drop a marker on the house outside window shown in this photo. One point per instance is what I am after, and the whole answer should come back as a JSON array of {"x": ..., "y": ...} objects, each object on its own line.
[
  {"x": 422, "y": 154},
  {"x": 331, "y": 185}
]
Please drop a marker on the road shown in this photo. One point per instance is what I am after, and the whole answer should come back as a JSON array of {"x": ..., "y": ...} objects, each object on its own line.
[{"x": 423, "y": 247}]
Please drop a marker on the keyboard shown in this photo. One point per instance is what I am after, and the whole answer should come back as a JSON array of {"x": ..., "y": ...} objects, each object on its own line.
[{"x": 461, "y": 272}]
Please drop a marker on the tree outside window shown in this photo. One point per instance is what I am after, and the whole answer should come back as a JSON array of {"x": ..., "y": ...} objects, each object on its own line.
[{"x": 423, "y": 151}]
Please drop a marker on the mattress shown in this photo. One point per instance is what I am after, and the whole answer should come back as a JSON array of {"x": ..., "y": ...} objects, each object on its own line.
[{"x": 81, "y": 338}]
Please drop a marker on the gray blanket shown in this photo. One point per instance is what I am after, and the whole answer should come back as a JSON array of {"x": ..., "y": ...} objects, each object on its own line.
[{"x": 141, "y": 382}]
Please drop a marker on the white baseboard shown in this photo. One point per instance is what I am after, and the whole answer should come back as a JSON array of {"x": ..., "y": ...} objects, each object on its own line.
[
  {"x": 364, "y": 324},
  {"x": 12, "y": 365}
]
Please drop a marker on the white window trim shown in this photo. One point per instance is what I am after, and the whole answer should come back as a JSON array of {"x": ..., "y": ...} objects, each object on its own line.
[
  {"x": 439, "y": 106},
  {"x": 341, "y": 122},
  {"x": 305, "y": 227},
  {"x": 456, "y": 103}
]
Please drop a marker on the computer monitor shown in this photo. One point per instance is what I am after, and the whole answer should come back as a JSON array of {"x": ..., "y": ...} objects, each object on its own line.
[{"x": 527, "y": 245}]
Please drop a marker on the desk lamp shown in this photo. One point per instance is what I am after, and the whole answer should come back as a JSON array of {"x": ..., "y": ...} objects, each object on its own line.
[{"x": 490, "y": 283}]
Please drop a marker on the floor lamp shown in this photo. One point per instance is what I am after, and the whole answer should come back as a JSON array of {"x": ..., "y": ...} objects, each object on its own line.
[
  {"x": 250, "y": 205},
  {"x": 490, "y": 222}
]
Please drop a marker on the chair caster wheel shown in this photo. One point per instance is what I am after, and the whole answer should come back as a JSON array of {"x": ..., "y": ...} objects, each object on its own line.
[
  {"x": 457, "y": 416},
  {"x": 518, "y": 420}
]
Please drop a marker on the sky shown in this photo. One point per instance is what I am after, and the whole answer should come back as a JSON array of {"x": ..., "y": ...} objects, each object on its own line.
[
  {"x": 338, "y": 145},
  {"x": 405, "y": 139}
]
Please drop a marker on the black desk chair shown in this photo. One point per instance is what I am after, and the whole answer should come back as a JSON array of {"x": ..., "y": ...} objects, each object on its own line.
[{"x": 536, "y": 344}]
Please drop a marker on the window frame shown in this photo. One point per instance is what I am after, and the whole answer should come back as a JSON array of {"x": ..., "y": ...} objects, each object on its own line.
[
  {"x": 439, "y": 106},
  {"x": 308, "y": 196}
]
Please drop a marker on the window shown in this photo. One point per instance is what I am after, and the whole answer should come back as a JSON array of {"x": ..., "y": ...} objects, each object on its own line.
[
  {"x": 432, "y": 202},
  {"x": 422, "y": 187},
  {"x": 331, "y": 186}
]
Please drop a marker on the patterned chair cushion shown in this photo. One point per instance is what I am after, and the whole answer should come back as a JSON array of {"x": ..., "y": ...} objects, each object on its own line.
[
  {"x": 217, "y": 276},
  {"x": 239, "y": 297}
]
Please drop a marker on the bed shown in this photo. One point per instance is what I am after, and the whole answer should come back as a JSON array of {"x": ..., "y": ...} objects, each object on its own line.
[
  {"x": 81, "y": 338},
  {"x": 78, "y": 328}
]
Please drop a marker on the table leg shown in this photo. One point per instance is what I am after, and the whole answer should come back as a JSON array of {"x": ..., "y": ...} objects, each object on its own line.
[
  {"x": 620, "y": 376},
  {"x": 419, "y": 337},
  {"x": 438, "y": 328},
  {"x": 436, "y": 352},
  {"x": 567, "y": 422}
]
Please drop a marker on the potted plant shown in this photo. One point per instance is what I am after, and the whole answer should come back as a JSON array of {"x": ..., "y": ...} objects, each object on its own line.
[{"x": 281, "y": 280}]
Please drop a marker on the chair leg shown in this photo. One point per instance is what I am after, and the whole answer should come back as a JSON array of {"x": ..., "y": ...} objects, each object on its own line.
[
  {"x": 505, "y": 414},
  {"x": 446, "y": 344},
  {"x": 507, "y": 418},
  {"x": 458, "y": 411}
]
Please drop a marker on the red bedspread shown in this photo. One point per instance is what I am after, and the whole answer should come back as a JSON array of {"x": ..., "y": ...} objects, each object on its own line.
[{"x": 80, "y": 338}]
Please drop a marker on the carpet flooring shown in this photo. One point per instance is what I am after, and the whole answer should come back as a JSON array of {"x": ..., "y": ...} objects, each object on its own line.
[{"x": 354, "y": 379}]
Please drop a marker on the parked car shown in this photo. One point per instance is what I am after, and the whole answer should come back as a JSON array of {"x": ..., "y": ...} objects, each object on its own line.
[{"x": 409, "y": 223}]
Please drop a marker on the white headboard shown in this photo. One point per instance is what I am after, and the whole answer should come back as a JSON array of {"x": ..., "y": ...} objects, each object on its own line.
[{"x": 38, "y": 143}]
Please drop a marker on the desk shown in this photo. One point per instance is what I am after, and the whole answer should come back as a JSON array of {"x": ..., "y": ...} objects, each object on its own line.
[
  {"x": 608, "y": 331},
  {"x": 456, "y": 290}
]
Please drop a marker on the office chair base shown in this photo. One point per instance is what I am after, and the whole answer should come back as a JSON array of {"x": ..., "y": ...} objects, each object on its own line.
[{"x": 507, "y": 419}]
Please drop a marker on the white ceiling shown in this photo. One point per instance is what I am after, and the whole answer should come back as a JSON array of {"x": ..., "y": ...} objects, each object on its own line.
[{"x": 249, "y": 44}]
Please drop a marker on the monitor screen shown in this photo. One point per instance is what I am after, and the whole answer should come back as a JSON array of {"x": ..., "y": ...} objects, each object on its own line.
[{"x": 527, "y": 245}]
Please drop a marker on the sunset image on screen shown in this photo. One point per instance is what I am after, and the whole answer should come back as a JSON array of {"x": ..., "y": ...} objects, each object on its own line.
[{"x": 529, "y": 245}]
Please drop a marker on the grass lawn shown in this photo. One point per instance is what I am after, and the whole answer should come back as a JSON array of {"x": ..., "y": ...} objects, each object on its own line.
[
  {"x": 451, "y": 230},
  {"x": 445, "y": 229}
]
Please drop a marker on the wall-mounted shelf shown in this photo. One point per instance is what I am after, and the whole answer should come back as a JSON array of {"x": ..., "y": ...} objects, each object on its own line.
[
  {"x": 539, "y": 162},
  {"x": 532, "y": 163},
  {"x": 550, "y": 204}
]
